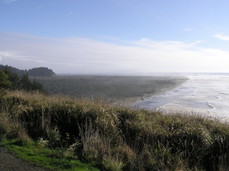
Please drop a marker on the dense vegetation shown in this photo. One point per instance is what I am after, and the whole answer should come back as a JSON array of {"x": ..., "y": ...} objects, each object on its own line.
[
  {"x": 41, "y": 72},
  {"x": 115, "y": 138},
  {"x": 34, "y": 72},
  {"x": 11, "y": 69},
  {"x": 108, "y": 87},
  {"x": 11, "y": 81},
  {"x": 60, "y": 133}
]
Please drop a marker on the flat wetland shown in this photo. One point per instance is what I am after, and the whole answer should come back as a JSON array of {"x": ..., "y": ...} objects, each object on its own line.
[{"x": 110, "y": 88}]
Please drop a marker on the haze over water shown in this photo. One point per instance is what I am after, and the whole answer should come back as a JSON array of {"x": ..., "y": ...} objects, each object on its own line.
[{"x": 204, "y": 94}]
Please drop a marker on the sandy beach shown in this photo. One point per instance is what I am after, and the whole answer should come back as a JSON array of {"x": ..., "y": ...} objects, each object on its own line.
[{"x": 202, "y": 94}]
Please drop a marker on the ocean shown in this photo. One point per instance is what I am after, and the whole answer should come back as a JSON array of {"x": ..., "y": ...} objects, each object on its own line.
[{"x": 202, "y": 94}]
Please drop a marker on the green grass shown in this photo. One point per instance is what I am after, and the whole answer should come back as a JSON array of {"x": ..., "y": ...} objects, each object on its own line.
[{"x": 51, "y": 159}]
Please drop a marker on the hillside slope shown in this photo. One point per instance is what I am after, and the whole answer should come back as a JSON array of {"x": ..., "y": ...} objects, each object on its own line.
[{"x": 117, "y": 138}]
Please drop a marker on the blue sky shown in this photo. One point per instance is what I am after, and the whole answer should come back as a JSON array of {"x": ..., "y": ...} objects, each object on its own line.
[{"x": 116, "y": 36}]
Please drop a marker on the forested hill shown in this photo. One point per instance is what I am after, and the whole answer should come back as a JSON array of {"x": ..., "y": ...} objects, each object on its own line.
[
  {"x": 19, "y": 72},
  {"x": 34, "y": 72},
  {"x": 41, "y": 72}
]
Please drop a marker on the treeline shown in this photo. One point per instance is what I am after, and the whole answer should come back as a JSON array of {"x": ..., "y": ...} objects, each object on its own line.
[
  {"x": 11, "y": 81},
  {"x": 41, "y": 72},
  {"x": 34, "y": 72}
]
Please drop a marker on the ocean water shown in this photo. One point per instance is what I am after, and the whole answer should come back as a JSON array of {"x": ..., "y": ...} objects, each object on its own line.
[{"x": 202, "y": 94}]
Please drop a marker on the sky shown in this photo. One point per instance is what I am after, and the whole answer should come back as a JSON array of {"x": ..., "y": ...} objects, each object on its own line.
[{"x": 116, "y": 36}]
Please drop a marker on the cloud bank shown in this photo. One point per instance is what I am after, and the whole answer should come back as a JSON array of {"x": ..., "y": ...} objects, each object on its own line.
[
  {"x": 221, "y": 37},
  {"x": 85, "y": 56}
]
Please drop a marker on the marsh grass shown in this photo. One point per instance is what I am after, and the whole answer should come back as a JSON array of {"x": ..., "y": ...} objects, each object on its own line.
[
  {"x": 111, "y": 88},
  {"x": 117, "y": 138}
]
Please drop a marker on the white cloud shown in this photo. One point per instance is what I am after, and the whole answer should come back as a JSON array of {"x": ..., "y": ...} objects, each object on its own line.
[
  {"x": 79, "y": 55},
  {"x": 221, "y": 36}
]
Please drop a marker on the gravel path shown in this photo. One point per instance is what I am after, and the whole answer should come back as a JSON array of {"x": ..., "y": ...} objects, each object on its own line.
[{"x": 9, "y": 162}]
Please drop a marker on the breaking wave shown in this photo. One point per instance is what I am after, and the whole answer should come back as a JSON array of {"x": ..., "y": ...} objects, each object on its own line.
[{"x": 202, "y": 92}]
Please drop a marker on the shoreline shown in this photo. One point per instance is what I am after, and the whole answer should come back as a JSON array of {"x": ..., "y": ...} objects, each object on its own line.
[
  {"x": 129, "y": 102},
  {"x": 202, "y": 95}
]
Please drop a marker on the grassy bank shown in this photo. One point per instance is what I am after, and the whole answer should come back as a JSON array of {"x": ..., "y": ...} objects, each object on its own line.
[
  {"x": 115, "y": 138},
  {"x": 38, "y": 154}
]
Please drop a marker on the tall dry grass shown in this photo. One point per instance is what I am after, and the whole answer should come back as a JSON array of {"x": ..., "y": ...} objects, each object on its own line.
[{"x": 118, "y": 138}]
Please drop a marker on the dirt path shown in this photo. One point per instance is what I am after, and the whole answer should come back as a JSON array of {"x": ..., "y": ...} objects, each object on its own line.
[{"x": 9, "y": 162}]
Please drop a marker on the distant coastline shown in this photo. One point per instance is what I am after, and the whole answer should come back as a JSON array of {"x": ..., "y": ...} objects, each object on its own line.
[
  {"x": 203, "y": 94},
  {"x": 130, "y": 102}
]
